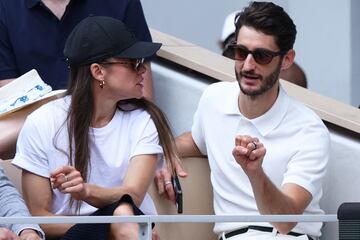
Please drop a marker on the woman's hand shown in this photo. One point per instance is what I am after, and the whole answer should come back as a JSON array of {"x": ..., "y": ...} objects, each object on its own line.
[{"x": 69, "y": 180}]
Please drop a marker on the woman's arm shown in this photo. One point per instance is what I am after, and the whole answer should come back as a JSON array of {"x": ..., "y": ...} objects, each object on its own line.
[
  {"x": 138, "y": 178},
  {"x": 136, "y": 183},
  {"x": 38, "y": 196}
]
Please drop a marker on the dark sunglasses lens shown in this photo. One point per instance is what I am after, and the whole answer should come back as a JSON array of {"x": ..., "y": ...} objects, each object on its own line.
[
  {"x": 240, "y": 53},
  {"x": 262, "y": 57}
]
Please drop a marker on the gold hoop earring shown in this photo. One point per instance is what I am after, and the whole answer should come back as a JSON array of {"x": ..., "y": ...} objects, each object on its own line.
[{"x": 102, "y": 83}]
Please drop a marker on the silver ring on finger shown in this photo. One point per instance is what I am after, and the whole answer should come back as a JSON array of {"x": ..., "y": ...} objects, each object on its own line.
[
  {"x": 167, "y": 182},
  {"x": 255, "y": 145}
]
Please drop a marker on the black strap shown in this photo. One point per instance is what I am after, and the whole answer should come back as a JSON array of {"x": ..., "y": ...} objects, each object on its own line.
[{"x": 258, "y": 228}]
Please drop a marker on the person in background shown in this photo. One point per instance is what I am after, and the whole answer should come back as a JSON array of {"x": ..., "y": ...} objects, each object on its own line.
[
  {"x": 293, "y": 74},
  {"x": 33, "y": 34},
  {"x": 96, "y": 151},
  {"x": 267, "y": 152},
  {"x": 12, "y": 205}
]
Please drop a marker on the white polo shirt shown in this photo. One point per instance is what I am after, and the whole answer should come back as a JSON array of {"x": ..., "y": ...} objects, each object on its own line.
[
  {"x": 296, "y": 142},
  {"x": 112, "y": 147}
]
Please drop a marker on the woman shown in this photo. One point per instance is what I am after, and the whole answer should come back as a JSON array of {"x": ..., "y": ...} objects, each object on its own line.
[{"x": 95, "y": 151}]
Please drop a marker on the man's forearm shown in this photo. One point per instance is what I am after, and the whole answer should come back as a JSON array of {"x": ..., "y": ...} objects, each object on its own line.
[
  {"x": 271, "y": 200},
  {"x": 186, "y": 146}
]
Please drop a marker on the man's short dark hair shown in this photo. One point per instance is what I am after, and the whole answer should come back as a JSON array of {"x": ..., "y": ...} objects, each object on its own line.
[{"x": 270, "y": 19}]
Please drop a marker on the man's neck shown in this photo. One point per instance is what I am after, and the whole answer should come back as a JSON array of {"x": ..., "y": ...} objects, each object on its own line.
[
  {"x": 255, "y": 106},
  {"x": 57, "y": 7}
]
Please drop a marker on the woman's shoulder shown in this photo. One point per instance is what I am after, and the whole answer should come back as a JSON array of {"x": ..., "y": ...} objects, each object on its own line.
[
  {"x": 137, "y": 114},
  {"x": 56, "y": 109}
]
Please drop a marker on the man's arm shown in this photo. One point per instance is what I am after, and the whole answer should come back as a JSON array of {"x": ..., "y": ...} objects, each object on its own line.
[
  {"x": 11, "y": 205},
  {"x": 4, "y": 82},
  {"x": 290, "y": 199},
  {"x": 186, "y": 146}
]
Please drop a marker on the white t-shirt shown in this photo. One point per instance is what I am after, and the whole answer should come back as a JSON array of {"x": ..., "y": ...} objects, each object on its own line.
[
  {"x": 111, "y": 149},
  {"x": 296, "y": 142}
]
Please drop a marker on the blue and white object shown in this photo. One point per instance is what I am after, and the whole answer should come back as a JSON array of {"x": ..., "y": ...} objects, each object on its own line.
[{"x": 22, "y": 91}]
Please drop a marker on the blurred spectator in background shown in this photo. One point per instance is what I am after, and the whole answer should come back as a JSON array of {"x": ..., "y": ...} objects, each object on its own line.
[{"x": 33, "y": 34}]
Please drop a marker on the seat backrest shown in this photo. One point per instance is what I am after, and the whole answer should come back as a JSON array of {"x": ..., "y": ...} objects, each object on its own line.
[{"x": 197, "y": 200}]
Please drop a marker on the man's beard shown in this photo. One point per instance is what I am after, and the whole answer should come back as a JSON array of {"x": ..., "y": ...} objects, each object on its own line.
[{"x": 266, "y": 83}]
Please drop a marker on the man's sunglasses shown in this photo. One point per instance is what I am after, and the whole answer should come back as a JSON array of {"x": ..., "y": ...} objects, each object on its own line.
[
  {"x": 135, "y": 64},
  {"x": 260, "y": 55}
]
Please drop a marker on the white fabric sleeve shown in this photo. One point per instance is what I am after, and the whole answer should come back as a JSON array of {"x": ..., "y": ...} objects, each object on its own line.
[
  {"x": 145, "y": 138},
  {"x": 307, "y": 167},
  {"x": 197, "y": 130},
  {"x": 31, "y": 153}
]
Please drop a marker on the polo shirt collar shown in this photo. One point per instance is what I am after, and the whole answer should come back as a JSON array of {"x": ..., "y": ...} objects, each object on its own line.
[
  {"x": 273, "y": 117},
  {"x": 268, "y": 121},
  {"x": 231, "y": 106}
]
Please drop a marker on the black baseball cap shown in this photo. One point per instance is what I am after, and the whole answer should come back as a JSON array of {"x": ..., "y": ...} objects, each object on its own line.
[{"x": 97, "y": 37}]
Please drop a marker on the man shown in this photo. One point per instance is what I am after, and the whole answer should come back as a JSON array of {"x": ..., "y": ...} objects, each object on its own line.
[
  {"x": 293, "y": 74},
  {"x": 267, "y": 152},
  {"x": 12, "y": 205},
  {"x": 33, "y": 34}
]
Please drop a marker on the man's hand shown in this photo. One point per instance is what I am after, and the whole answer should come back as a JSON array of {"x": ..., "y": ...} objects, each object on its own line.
[
  {"x": 155, "y": 235},
  {"x": 6, "y": 234},
  {"x": 29, "y": 234},
  {"x": 163, "y": 181},
  {"x": 249, "y": 153}
]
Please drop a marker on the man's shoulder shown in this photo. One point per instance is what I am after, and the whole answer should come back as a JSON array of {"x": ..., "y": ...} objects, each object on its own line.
[
  {"x": 305, "y": 118},
  {"x": 220, "y": 93},
  {"x": 303, "y": 111},
  {"x": 221, "y": 88}
]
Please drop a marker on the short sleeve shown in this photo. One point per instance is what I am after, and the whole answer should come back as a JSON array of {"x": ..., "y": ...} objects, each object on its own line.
[
  {"x": 145, "y": 136},
  {"x": 31, "y": 148},
  {"x": 197, "y": 130},
  {"x": 307, "y": 167}
]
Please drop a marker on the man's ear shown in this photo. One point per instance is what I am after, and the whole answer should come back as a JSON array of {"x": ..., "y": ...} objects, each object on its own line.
[
  {"x": 288, "y": 59},
  {"x": 97, "y": 71}
]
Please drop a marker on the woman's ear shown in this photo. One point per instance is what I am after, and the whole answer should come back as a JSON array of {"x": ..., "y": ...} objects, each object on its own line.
[
  {"x": 97, "y": 71},
  {"x": 288, "y": 59}
]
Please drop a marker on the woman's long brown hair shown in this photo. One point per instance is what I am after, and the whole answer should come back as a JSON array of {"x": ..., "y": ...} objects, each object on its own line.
[{"x": 80, "y": 116}]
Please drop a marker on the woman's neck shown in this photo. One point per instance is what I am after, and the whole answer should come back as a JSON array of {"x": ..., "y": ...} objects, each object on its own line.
[{"x": 103, "y": 113}]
